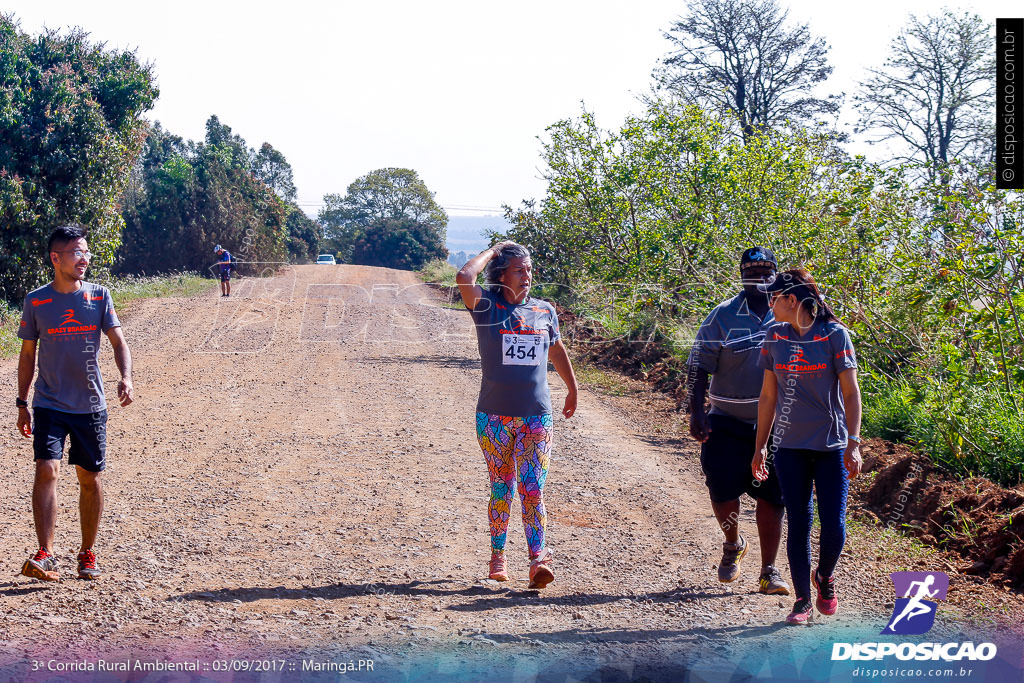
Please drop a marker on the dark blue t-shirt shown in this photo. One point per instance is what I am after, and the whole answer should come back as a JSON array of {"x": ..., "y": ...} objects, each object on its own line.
[
  {"x": 514, "y": 341},
  {"x": 809, "y": 410},
  {"x": 68, "y": 328}
]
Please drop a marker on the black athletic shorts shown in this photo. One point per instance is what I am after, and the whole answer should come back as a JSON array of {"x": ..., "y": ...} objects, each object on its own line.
[
  {"x": 225, "y": 276},
  {"x": 88, "y": 434},
  {"x": 725, "y": 458}
]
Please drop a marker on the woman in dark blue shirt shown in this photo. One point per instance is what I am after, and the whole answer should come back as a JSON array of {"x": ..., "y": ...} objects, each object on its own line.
[{"x": 810, "y": 408}]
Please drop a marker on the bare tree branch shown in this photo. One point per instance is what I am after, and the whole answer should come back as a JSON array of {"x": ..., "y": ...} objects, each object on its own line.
[
  {"x": 740, "y": 55},
  {"x": 936, "y": 91}
]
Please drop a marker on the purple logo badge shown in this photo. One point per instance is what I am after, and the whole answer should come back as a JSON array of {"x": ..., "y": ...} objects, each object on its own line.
[{"x": 916, "y": 596}]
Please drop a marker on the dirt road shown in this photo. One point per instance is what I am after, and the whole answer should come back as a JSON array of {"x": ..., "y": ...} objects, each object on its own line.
[{"x": 300, "y": 476}]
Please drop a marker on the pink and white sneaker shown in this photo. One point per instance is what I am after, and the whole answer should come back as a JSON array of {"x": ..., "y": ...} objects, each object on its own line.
[
  {"x": 540, "y": 573},
  {"x": 498, "y": 570}
]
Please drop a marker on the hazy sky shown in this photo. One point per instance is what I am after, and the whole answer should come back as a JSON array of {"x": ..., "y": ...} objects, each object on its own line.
[{"x": 459, "y": 91}]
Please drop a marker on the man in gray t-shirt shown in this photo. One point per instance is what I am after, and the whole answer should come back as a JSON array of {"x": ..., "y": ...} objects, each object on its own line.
[
  {"x": 726, "y": 348},
  {"x": 62, "y": 323}
]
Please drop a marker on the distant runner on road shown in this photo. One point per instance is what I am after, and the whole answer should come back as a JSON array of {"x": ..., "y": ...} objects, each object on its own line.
[
  {"x": 64, "y": 319},
  {"x": 727, "y": 346},
  {"x": 515, "y": 334},
  {"x": 226, "y": 265},
  {"x": 810, "y": 409}
]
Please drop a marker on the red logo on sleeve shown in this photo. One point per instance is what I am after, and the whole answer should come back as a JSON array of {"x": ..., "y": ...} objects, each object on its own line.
[{"x": 40, "y": 302}]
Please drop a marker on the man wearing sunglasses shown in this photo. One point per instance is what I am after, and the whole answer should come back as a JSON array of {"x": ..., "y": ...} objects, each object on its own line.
[
  {"x": 727, "y": 347},
  {"x": 63, "y": 320}
]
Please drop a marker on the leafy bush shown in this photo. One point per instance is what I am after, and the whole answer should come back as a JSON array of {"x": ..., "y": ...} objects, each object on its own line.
[
  {"x": 641, "y": 229},
  {"x": 71, "y": 112}
]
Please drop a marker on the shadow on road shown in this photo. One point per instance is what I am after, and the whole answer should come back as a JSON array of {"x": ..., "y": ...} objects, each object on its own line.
[
  {"x": 12, "y": 588},
  {"x": 332, "y": 592},
  {"x": 514, "y": 597},
  {"x": 487, "y": 596},
  {"x": 439, "y": 361}
]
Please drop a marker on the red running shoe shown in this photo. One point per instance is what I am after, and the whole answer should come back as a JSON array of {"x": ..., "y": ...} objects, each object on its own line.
[
  {"x": 826, "y": 601},
  {"x": 87, "y": 568},
  {"x": 801, "y": 613},
  {"x": 42, "y": 566},
  {"x": 540, "y": 573},
  {"x": 498, "y": 571}
]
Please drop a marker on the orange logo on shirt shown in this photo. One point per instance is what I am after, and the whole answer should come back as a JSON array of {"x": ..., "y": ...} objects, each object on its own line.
[
  {"x": 40, "y": 302},
  {"x": 798, "y": 364},
  {"x": 98, "y": 297},
  {"x": 67, "y": 328}
]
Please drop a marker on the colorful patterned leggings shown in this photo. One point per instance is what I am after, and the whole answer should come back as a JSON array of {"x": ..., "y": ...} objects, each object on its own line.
[{"x": 516, "y": 448}]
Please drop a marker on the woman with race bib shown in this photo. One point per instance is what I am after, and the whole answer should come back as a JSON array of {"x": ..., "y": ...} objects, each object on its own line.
[
  {"x": 810, "y": 407},
  {"x": 516, "y": 335}
]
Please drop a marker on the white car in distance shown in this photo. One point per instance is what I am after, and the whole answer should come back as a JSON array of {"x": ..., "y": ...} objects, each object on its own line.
[{"x": 326, "y": 259}]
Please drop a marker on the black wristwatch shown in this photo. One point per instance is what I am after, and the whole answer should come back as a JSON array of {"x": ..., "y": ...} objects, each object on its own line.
[{"x": 21, "y": 403}]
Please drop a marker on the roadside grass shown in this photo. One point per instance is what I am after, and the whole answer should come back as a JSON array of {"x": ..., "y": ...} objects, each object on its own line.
[
  {"x": 605, "y": 382},
  {"x": 967, "y": 430},
  {"x": 124, "y": 290},
  {"x": 132, "y": 288},
  {"x": 439, "y": 272},
  {"x": 9, "y": 342}
]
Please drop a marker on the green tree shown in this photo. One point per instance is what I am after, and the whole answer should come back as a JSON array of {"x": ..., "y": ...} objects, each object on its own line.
[
  {"x": 189, "y": 197},
  {"x": 304, "y": 235},
  {"x": 641, "y": 228},
  {"x": 71, "y": 116},
  {"x": 383, "y": 210},
  {"x": 270, "y": 166}
]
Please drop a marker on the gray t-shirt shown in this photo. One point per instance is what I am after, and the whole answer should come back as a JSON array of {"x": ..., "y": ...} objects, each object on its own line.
[
  {"x": 513, "y": 341},
  {"x": 68, "y": 328},
  {"x": 727, "y": 347},
  {"x": 809, "y": 410}
]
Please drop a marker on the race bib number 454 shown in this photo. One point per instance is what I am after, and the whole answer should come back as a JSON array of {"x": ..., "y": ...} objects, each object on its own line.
[{"x": 521, "y": 349}]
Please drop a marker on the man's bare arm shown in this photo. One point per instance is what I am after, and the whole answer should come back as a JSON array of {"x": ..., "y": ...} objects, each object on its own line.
[
  {"x": 123, "y": 359},
  {"x": 26, "y": 371}
]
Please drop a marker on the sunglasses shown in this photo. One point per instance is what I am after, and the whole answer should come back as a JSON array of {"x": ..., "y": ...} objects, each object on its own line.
[{"x": 78, "y": 253}]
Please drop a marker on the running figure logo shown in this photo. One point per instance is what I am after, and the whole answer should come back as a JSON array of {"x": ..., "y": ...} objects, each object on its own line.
[
  {"x": 914, "y": 613},
  {"x": 69, "y": 317}
]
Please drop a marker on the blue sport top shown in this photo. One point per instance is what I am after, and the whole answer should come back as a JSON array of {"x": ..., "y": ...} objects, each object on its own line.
[
  {"x": 514, "y": 341},
  {"x": 809, "y": 410}
]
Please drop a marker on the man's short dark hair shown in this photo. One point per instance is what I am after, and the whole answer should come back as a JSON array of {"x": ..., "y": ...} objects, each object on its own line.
[{"x": 60, "y": 237}]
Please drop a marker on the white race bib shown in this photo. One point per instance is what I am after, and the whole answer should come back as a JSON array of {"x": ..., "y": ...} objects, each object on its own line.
[{"x": 521, "y": 349}]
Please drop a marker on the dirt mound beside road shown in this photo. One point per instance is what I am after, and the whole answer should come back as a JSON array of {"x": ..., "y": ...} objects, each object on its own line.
[{"x": 981, "y": 522}]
